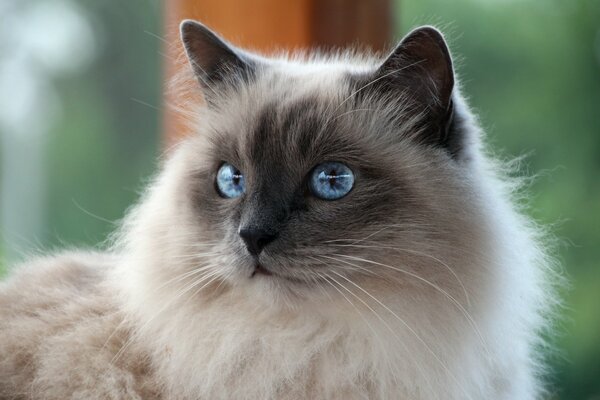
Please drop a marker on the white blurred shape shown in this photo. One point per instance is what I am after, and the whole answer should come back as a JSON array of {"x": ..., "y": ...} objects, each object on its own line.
[
  {"x": 57, "y": 36},
  {"x": 39, "y": 41}
]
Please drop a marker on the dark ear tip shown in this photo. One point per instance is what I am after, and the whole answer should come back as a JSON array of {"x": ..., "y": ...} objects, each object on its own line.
[
  {"x": 189, "y": 27},
  {"x": 429, "y": 30},
  {"x": 426, "y": 32}
]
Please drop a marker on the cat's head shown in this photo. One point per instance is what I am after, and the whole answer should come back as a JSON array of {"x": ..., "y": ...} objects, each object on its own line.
[{"x": 323, "y": 172}]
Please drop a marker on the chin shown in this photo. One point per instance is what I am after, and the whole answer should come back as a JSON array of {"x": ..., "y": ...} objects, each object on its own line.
[{"x": 270, "y": 288}]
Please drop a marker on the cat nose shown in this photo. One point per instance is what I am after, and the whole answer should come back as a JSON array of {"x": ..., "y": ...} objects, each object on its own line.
[{"x": 256, "y": 239}]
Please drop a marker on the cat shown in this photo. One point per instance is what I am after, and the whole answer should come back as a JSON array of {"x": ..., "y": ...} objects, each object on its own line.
[{"x": 333, "y": 229}]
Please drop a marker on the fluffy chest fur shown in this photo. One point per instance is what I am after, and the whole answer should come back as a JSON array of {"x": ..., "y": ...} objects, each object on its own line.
[{"x": 355, "y": 349}]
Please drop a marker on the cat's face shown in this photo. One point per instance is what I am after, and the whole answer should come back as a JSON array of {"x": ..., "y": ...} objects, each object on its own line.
[{"x": 311, "y": 176}]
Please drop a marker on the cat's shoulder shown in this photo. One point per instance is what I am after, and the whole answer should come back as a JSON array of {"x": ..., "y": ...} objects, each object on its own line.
[
  {"x": 54, "y": 286},
  {"x": 68, "y": 270},
  {"x": 61, "y": 328}
]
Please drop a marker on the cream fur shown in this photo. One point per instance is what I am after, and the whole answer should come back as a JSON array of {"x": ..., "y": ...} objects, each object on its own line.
[{"x": 461, "y": 323}]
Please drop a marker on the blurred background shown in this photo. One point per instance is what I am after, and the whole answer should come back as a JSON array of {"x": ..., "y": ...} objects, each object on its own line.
[{"x": 82, "y": 121}]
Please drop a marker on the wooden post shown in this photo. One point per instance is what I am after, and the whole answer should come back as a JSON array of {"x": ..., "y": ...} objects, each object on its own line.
[{"x": 268, "y": 25}]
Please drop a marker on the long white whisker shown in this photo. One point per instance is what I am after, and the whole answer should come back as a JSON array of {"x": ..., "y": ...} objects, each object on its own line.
[
  {"x": 353, "y": 265},
  {"x": 465, "y": 313},
  {"x": 181, "y": 277},
  {"x": 420, "y": 254},
  {"x": 403, "y": 322},
  {"x": 177, "y": 278},
  {"x": 203, "y": 286},
  {"x": 381, "y": 319},
  {"x": 168, "y": 304}
]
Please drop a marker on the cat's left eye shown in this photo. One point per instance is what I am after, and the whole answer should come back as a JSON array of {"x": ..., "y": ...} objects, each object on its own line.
[
  {"x": 230, "y": 181},
  {"x": 331, "y": 180}
]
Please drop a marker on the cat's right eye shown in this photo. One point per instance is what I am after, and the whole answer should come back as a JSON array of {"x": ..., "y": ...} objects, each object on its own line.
[{"x": 230, "y": 181}]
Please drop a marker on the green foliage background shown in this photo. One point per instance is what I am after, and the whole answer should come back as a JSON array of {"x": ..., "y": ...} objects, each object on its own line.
[{"x": 530, "y": 68}]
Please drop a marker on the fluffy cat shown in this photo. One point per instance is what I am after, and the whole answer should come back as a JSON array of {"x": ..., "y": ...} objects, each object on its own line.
[{"x": 332, "y": 230}]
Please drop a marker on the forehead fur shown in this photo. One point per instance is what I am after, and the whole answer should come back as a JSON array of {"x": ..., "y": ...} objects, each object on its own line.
[{"x": 309, "y": 110}]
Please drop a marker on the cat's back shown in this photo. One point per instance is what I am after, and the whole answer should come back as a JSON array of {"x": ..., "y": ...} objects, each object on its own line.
[{"x": 60, "y": 329}]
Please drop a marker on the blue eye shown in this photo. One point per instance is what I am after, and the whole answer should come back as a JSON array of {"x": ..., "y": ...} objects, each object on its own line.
[
  {"x": 230, "y": 181},
  {"x": 331, "y": 180}
]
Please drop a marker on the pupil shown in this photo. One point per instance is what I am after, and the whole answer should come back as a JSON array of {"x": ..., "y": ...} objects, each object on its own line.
[
  {"x": 236, "y": 178},
  {"x": 332, "y": 178}
]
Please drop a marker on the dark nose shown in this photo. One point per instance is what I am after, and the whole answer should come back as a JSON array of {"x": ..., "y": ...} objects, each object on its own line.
[{"x": 256, "y": 239}]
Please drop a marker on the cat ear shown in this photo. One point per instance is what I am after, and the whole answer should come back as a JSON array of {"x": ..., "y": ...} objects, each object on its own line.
[
  {"x": 213, "y": 60},
  {"x": 420, "y": 67}
]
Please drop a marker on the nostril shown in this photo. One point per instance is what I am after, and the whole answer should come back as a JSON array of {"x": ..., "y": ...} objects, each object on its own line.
[{"x": 256, "y": 239}]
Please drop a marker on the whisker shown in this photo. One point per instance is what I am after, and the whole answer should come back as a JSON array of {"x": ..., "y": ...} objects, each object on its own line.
[
  {"x": 382, "y": 320},
  {"x": 326, "y": 278},
  {"x": 162, "y": 309},
  {"x": 181, "y": 277},
  {"x": 417, "y": 253},
  {"x": 158, "y": 37},
  {"x": 403, "y": 322},
  {"x": 321, "y": 287},
  {"x": 177, "y": 278},
  {"x": 145, "y": 104},
  {"x": 369, "y": 272},
  {"x": 91, "y": 214},
  {"x": 465, "y": 313},
  {"x": 202, "y": 287}
]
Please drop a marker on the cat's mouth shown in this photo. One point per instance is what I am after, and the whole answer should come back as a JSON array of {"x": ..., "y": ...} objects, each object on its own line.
[{"x": 261, "y": 270}]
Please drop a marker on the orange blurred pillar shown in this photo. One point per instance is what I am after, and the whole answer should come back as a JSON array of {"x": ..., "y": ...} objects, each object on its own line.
[{"x": 268, "y": 25}]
